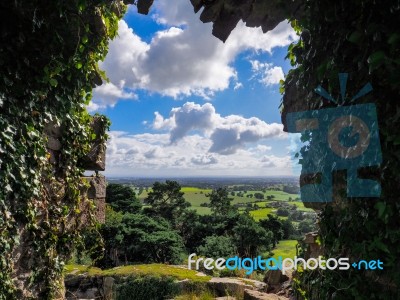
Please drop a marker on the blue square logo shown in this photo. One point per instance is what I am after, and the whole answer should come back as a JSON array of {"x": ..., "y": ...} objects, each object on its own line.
[{"x": 340, "y": 138}]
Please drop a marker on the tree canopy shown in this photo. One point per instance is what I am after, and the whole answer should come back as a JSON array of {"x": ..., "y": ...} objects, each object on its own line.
[
  {"x": 220, "y": 203},
  {"x": 122, "y": 198},
  {"x": 166, "y": 199}
]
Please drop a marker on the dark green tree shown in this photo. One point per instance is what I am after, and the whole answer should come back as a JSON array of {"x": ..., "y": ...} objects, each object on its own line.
[
  {"x": 250, "y": 238},
  {"x": 190, "y": 228},
  {"x": 113, "y": 238},
  {"x": 217, "y": 246},
  {"x": 166, "y": 200},
  {"x": 132, "y": 238},
  {"x": 122, "y": 198},
  {"x": 220, "y": 203},
  {"x": 147, "y": 239},
  {"x": 288, "y": 229},
  {"x": 259, "y": 195},
  {"x": 283, "y": 212},
  {"x": 273, "y": 224},
  {"x": 306, "y": 226}
]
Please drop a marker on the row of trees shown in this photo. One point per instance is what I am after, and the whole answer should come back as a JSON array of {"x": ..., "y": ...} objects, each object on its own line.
[{"x": 165, "y": 229}]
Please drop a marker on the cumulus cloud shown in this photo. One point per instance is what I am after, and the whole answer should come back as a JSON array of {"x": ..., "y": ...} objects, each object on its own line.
[
  {"x": 268, "y": 162},
  {"x": 192, "y": 116},
  {"x": 273, "y": 76},
  {"x": 260, "y": 148},
  {"x": 153, "y": 155},
  {"x": 108, "y": 94},
  {"x": 184, "y": 59},
  {"x": 204, "y": 160},
  {"x": 235, "y": 131},
  {"x": 267, "y": 73},
  {"x": 227, "y": 134}
]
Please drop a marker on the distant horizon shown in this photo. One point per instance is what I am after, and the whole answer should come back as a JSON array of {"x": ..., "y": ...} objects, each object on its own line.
[{"x": 205, "y": 177}]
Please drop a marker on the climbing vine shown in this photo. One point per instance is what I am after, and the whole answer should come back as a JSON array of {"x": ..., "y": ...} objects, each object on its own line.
[
  {"x": 360, "y": 38},
  {"x": 48, "y": 67}
]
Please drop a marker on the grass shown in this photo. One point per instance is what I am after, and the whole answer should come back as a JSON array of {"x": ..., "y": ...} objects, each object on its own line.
[
  {"x": 300, "y": 206},
  {"x": 261, "y": 213},
  {"x": 82, "y": 269},
  {"x": 206, "y": 295},
  {"x": 202, "y": 210},
  {"x": 196, "y": 196},
  {"x": 148, "y": 269},
  {"x": 279, "y": 196},
  {"x": 189, "y": 189},
  {"x": 286, "y": 249}
]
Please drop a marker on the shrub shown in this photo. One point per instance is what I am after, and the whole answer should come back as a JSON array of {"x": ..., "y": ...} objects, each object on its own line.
[{"x": 147, "y": 288}]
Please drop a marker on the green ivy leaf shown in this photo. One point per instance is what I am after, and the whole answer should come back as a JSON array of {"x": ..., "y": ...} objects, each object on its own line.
[
  {"x": 53, "y": 82},
  {"x": 380, "y": 206},
  {"x": 376, "y": 59},
  {"x": 355, "y": 37},
  {"x": 394, "y": 39}
]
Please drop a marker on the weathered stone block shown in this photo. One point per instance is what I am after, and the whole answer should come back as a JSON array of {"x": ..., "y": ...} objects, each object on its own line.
[
  {"x": 232, "y": 286},
  {"x": 108, "y": 286},
  {"x": 53, "y": 143},
  {"x": 256, "y": 295},
  {"x": 313, "y": 249},
  {"x": 95, "y": 160},
  {"x": 275, "y": 277},
  {"x": 52, "y": 129},
  {"x": 96, "y": 192},
  {"x": 310, "y": 238},
  {"x": 97, "y": 187},
  {"x": 100, "y": 210}
]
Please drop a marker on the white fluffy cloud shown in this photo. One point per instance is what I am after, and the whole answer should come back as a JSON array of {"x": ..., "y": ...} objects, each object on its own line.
[
  {"x": 266, "y": 73},
  {"x": 108, "y": 94},
  {"x": 227, "y": 134},
  {"x": 184, "y": 59},
  {"x": 189, "y": 117},
  {"x": 150, "y": 154}
]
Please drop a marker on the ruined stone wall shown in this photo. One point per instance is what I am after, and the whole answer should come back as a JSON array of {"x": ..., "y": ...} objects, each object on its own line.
[
  {"x": 94, "y": 161},
  {"x": 93, "y": 194}
]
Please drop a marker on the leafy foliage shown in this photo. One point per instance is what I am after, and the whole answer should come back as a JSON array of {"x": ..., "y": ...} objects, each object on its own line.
[
  {"x": 122, "y": 198},
  {"x": 132, "y": 238},
  {"x": 148, "y": 237},
  {"x": 147, "y": 287},
  {"x": 151, "y": 240},
  {"x": 48, "y": 67},
  {"x": 274, "y": 225},
  {"x": 250, "y": 238},
  {"x": 166, "y": 199},
  {"x": 217, "y": 246},
  {"x": 220, "y": 203}
]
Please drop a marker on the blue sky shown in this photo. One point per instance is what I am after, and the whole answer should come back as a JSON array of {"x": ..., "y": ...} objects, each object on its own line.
[{"x": 182, "y": 103}]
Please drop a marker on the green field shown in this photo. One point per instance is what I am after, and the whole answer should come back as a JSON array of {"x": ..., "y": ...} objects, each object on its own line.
[
  {"x": 286, "y": 249},
  {"x": 262, "y": 213},
  {"x": 188, "y": 189},
  {"x": 278, "y": 196},
  {"x": 300, "y": 206},
  {"x": 196, "y": 196}
]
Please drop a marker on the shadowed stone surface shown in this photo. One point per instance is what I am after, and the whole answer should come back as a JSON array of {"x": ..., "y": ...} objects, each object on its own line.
[{"x": 256, "y": 295}]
